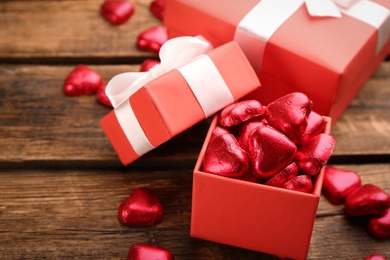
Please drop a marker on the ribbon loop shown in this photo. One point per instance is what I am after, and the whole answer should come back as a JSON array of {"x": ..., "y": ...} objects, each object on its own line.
[{"x": 174, "y": 53}]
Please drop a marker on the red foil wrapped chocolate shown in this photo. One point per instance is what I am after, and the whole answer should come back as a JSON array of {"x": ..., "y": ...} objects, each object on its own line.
[
  {"x": 117, "y": 12},
  {"x": 82, "y": 81},
  {"x": 284, "y": 141},
  {"x": 379, "y": 226},
  {"x": 141, "y": 208},
  {"x": 339, "y": 183},
  {"x": 143, "y": 251},
  {"x": 225, "y": 156},
  {"x": 368, "y": 199},
  {"x": 101, "y": 95},
  {"x": 157, "y": 8},
  {"x": 238, "y": 113},
  {"x": 152, "y": 39},
  {"x": 147, "y": 64}
]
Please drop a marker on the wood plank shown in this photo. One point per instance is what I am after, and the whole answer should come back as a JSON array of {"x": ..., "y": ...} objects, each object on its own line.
[
  {"x": 63, "y": 30},
  {"x": 42, "y": 125},
  {"x": 72, "y": 214}
]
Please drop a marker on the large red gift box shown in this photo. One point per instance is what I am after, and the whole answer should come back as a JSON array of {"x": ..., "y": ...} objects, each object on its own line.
[
  {"x": 327, "y": 58},
  {"x": 250, "y": 215},
  {"x": 181, "y": 97}
]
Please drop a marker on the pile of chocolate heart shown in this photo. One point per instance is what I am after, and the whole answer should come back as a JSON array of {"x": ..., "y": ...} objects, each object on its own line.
[
  {"x": 282, "y": 144},
  {"x": 368, "y": 200}
]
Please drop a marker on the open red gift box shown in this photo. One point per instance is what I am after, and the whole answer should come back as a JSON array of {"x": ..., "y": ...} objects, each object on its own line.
[
  {"x": 251, "y": 215},
  {"x": 327, "y": 58},
  {"x": 170, "y": 103}
]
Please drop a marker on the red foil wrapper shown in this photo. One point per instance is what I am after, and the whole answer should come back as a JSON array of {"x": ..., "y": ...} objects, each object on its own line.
[
  {"x": 379, "y": 226},
  {"x": 339, "y": 183},
  {"x": 224, "y": 155},
  {"x": 157, "y": 8},
  {"x": 148, "y": 252},
  {"x": 141, "y": 208},
  {"x": 147, "y": 64},
  {"x": 240, "y": 112},
  {"x": 82, "y": 81},
  {"x": 367, "y": 200},
  {"x": 289, "y": 114},
  {"x": 152, "y": 39},
  {"x": 284, "y": 175},
  {"x": 117, "y": 12},
  {"x": 101, "y": 95},
  {"x": 314, "y": 154},
  {"x": 300, "y": 183},
  {"x": 270, "y": 151}
]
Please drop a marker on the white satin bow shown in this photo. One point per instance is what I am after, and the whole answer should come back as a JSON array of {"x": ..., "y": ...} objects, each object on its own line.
[
  {"x": 331, "y": 8},
  {"x": 174, "y": 53}
]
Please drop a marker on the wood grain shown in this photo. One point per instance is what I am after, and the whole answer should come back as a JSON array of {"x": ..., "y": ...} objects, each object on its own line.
[
  {"x": 61, "y": 181},
  {"x": 52, "y": 31},
  {"x": 72, "y": 214}
]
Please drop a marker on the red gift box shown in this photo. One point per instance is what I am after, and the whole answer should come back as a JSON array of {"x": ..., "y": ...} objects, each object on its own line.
[
  {"x": 327, "y": 58},
  {"x": 164, "y": 106},
  {"x": 251, "y": 215}
]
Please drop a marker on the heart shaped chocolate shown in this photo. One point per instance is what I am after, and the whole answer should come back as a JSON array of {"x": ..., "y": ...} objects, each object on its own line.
[
  {"x": 146, "y": 252},
  {"x": 270, "y": 150},
  {"x": 82, "y": 81},
  {"x": 289, "y": 114},
  {"x": 284, "y": 175},
  {"x": 147, "y": 64},
  {"x": 102, "y": 96},
  {"x": 240, "y": 112},
  {"x": 141, "y": 208},
  {"x": 224, "y": 156},
  {"x": 368, "y": 199},
  {"x": 245, "y": 131},
  {"x": 339, "y": 183},
  {"x": 117, "y": 12},
  {"x": 314, "y": 154},
  {"x": 152, "y": 39},
  {"x": 379, "y": 226},
  {"x": 300, "y": 183},
  {"x": 375, "y": 257},
  {"x": 157, "y": 8},
  {"x": 315, "y": 125}
]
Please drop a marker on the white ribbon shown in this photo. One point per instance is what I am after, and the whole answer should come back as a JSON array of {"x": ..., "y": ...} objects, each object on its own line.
[
  {"x": 184, "y": 54},
  {"x": 364, "y": 10},
  {"x": 173, "y": 53},
  {"x": 257, "y": 27}
]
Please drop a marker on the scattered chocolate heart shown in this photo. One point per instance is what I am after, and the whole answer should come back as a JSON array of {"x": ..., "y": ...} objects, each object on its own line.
[
  {"x": 141, "y": 208},
  {"x": 240, "y": 112},
  {"x": 284, "y": 175},
  {"x": 270, "y": 150},
  {"x": 224, "y": 156},
  {"x": 82, "y": 81},
  {"x": 379, "y": 226},
  {"x": 300, "y": 183},
  {"x": 147, "y": 64},
  {"x": 367, "y": 200},
  {"x": 314, "y": 154},
  {"x": 117, "y": 12},
  {"x": 147, "y": 252},
  {"x": 375, "y": 257},
  {"x": 101, "y": 95},
  {"x": 289, "y": 114},
  {"x": 152, "y": 39},
  {"x": 157, "y": 8},
  {"x": 339, "y": 183}
]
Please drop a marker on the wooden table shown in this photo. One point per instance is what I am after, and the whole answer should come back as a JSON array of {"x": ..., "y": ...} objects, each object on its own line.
[{"x": 61, "y": 181}]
